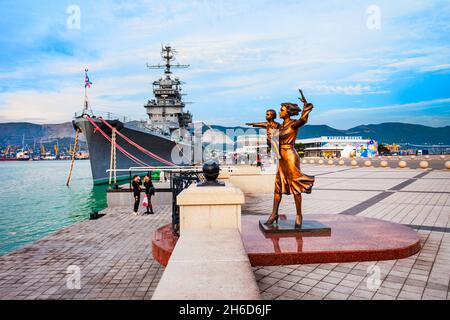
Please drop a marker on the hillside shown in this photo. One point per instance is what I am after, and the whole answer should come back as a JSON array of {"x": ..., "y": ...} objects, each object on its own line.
[
  {"x": 403, "y": 133},
  {"x": 393, "y": 132},
  {"x": 390, "y": 132},
  {"x": 14, "y": 133}
]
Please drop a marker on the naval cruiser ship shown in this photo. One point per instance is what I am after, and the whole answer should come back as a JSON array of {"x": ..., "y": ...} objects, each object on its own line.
[{"x": 150, "y": 143}]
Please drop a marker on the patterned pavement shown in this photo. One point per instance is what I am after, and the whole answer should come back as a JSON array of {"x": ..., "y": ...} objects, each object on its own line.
[
  {"x": 420, "y": 199},
  {"x": 114, "y": 258},
  {"x": 113, "y": 255}
]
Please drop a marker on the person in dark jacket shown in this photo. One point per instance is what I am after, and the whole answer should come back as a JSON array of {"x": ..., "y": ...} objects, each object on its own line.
[
  {"x": 136, "y": 193},
  {"x": 149, "y": 192}
]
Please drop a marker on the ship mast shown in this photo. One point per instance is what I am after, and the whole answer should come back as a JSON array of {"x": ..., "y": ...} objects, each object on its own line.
[
  {"x": 167, "y": 53},
  {"x": 86, "y": 105}
]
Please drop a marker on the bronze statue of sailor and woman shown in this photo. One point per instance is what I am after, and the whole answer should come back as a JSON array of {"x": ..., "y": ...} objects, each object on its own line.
[{"x": 281, "y": 138}]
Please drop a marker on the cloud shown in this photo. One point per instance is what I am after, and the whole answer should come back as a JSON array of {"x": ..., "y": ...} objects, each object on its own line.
[
  {"x": 52, "y": 106},
  {"x": 39, "y": 107},
  {"x": 420, "y": 104},
  {"x": 239, "y": 51},
  {"x": 434, "y": 68},
  {"x": 429, "y": 120},
  {"x": 431, "y": 112},
  {"x": 409, "y": 62},
  {"x": 356, "y": 89}
]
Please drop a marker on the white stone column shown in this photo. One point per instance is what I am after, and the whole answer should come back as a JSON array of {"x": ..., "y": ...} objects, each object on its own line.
[{"x": 209, "y": 261}]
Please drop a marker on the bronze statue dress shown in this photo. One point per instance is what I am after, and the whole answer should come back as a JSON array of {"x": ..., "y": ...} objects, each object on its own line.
[{"x": 289, "y": 178}]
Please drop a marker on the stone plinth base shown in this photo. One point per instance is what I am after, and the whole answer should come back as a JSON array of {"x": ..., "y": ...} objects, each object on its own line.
[
  {"x": 352, "y": 239},
  {"x": 309, "y": 227}
]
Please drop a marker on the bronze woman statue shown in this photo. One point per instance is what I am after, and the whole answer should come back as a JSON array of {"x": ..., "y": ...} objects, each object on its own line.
[{"x": 289, "y": 178}]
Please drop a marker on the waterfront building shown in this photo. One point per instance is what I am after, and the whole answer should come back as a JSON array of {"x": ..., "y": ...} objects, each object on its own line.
[{"x": 339, "y": 146}]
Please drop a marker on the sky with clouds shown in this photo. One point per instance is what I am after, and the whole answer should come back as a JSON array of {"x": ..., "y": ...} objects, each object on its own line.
[{"x": 244, "y": 56}]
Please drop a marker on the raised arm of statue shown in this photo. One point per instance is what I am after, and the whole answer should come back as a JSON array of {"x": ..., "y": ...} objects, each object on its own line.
[
  {"x": 307, "y": 108},
  {"x": 304, "y": 117},
  {"x": 258, "y": 124}
]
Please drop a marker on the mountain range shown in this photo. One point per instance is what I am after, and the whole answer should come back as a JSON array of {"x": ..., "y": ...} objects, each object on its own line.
[
  {"x": 14, "y": 133},
  {"x": 389, "y": 132},
  {"x": 30, "y": 134}
]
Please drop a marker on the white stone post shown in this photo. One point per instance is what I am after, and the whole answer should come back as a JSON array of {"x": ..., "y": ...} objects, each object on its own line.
[{"x": 210, "y": 207}]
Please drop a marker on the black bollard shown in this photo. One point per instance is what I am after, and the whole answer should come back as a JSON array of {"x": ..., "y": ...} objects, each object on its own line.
[{"x": 94, "y": 215}]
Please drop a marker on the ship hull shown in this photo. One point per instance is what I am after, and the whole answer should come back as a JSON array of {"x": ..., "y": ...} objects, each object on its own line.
[{"x": 100, "y": 149}]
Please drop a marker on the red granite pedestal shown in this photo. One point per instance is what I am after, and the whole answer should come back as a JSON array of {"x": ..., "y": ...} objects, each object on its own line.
[{"x": 352, "y": 239}]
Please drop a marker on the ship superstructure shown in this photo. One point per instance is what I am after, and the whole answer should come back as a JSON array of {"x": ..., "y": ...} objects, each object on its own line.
[{"x": 165, "y": 111}]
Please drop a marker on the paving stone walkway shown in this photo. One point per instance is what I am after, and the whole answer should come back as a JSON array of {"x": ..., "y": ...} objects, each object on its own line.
[
  {"x": 113, "y": 255},
  {"x": 114, "y": 258},
  {"x": 419, "y": 199}
]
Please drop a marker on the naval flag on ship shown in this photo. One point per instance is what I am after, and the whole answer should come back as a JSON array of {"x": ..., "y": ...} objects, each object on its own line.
[{"x": 87, "y": 82}]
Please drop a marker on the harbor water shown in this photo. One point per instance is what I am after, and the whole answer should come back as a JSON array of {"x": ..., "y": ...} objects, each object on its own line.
[{"x": 34, "y": 199}]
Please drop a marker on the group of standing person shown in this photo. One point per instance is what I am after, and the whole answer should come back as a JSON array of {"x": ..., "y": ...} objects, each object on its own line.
[{"x": 149, "y": 192}]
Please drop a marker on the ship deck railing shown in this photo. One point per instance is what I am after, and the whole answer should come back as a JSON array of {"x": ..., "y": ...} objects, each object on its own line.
[{"x": 229, "y": 168}]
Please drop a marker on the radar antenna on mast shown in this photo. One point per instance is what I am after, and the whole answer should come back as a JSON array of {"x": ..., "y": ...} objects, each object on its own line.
[{"x": 168, "y": 54}]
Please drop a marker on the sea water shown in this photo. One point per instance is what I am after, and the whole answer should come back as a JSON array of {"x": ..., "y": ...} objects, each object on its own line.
[{"x": 34, "y": 199}]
